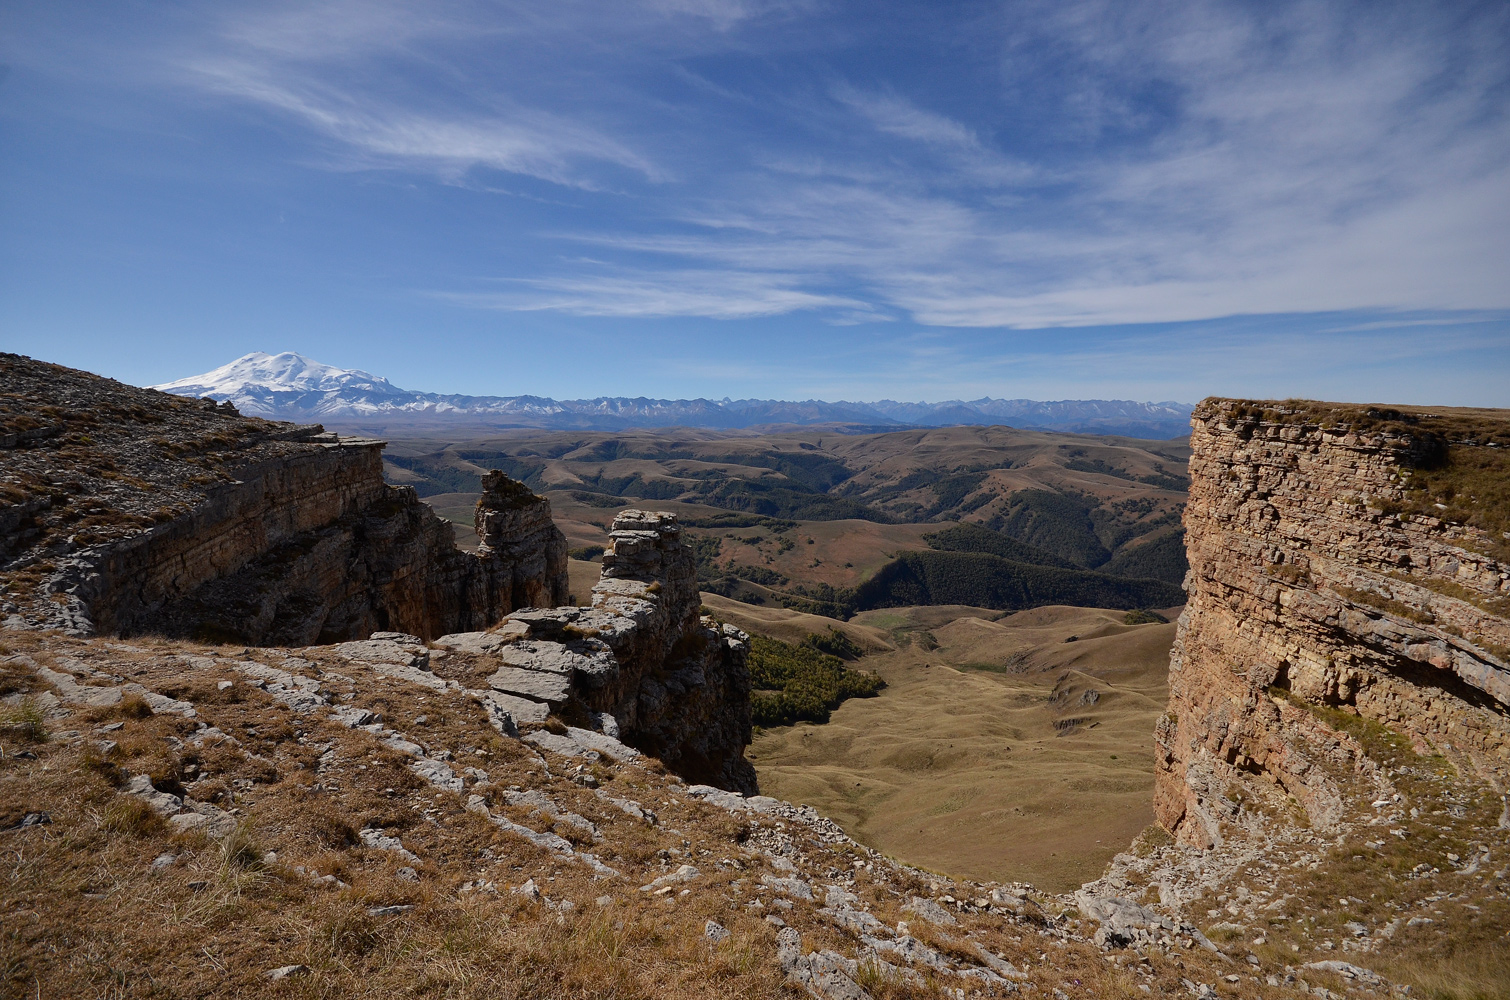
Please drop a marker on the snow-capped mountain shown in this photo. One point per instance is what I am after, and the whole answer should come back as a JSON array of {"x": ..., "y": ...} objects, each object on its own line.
[
  {"x": 292, "y": 387},
  {"x": 277, "y": 385}
]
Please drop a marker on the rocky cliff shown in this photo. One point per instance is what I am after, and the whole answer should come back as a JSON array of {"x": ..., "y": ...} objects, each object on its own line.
[
  {"x": 1343, "y": 559},
  {"x": 130, "y": 511},
  {"x": 639, "y": 664}
]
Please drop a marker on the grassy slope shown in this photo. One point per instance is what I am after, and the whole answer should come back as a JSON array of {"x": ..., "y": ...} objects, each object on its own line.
[
  {"x": 93, "y": 914},
  {"x": 956, "y": 766}
]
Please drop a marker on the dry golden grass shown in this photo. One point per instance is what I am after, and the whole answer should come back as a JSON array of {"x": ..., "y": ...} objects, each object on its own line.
[
  {"x": 222, "y": 913},
  {"x": 958, "y": 767},
  {"x": 89, "y": 914}
]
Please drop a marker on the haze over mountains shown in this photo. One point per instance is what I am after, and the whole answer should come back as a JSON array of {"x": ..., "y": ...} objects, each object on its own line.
[{"x": 289, "y": 386}]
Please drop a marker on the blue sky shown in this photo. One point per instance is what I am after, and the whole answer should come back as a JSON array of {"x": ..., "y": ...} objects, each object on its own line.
[{"x": 780, "y": 199}]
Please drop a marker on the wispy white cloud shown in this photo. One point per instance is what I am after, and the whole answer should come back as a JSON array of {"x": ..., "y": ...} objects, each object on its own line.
[
  {"x": 959, "y": 147},
  {"x": 1163, "y": 161},
  {"x": 721, "y": 294},
  {"x": 362, "y": 78},
  {"x": 362, "y": 133},
  {"x": 898, "y": 116},
  {"x": 1308, "y": 157}
]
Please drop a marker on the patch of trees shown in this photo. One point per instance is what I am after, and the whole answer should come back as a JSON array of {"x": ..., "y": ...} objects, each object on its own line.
[
  {"x": 988, "y": 581},
  {"x": 1161, "y": 558},
  {"x": 974, "y": 538},
  {"x": 800, "y": 683},
  {"x": 705, "y": 552},
  {"x": 526, "y": 471},
  {"x": 952, "y": 490},
  {"x": 435, "y": 477},
  {"x": 820, "y": 599},
  {"x": 596, "y": 499},
  {"x": 1053, "y": 522},
  {"x": 614, "y": 449},
  {"x": 636, "y": 486},
  {"x": 756, "y": 497},
  {"x": 1161, "y": 478},
  {"x": 809, "y": 472},
  {"x": 836, "y": 643},
  {"x": 733, "y": 520}
]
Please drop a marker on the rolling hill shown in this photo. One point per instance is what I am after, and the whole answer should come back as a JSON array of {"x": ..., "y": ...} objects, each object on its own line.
[{"x": 835, "y": 523}]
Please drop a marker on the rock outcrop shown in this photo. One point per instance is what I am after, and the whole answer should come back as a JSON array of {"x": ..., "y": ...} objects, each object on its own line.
[
  {"x": 129, "y": 511},
  {"x": 639, "y": 664},
  {"x": 1319, "y": 581}
]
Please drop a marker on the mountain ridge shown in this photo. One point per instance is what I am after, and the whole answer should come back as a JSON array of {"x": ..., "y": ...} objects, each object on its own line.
[{"x": 289, "y": 386}]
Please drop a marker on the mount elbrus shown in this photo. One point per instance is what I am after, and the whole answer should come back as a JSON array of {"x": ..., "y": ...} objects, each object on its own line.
[{"x": 267, "y": 728}]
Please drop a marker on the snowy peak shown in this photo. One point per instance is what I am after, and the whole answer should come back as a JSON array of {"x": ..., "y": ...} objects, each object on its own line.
[{"x": 290, "y": 386}]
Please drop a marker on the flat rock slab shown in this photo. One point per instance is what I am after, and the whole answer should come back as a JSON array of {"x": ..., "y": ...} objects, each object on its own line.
[
  {"x": 930, "y": 911},
  {"x": 384, "y": 651},
  {"x": 602, "y": 743},
  {"x": 162, "y": 803},
  {"x": 563, "y": 745},
  {"x": 552, "y": 688},
  {"x": 470, "y": 642},
  {"x": 606, "y": 624},
  {"x": 580, "y": 742},
  {"x": 481, "y": 643},
  {"x": 620, "y": 587},
  {"x": 380, "y": 841},
  {"x": 733, "y": 801},
  {"x": 206, "y": 818},
  {"x": 586, "y": 659},
  {"x": 519, "y": 709}
]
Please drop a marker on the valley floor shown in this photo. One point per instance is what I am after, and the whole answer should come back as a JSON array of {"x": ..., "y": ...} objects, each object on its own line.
[{"x": 1002, "y": 752}]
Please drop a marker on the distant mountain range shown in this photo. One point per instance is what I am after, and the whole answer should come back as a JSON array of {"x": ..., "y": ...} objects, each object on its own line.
[{"x": 292, "y": 387}]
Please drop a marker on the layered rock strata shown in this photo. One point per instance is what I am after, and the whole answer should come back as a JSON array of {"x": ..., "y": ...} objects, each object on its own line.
[
  {"x": 1309, "y": 586},
  {"x": 129, "y": 511},
  {"x": 640, "y": 664},
  {"x": 319, "y": 549}
]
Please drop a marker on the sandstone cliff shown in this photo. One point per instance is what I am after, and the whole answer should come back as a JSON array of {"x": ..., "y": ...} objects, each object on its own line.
[
  {"x": 1334, "y": 565},
  {"x": 128, "y": 511}
]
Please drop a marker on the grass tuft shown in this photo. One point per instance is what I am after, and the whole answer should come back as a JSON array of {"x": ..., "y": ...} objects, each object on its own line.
[
  {"x": 25, "y": 721},
  {"x": 130, "y": 815}
]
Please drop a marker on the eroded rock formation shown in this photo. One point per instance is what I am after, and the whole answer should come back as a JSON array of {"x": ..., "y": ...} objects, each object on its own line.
[
  {"x": 639, "y": 664},
  {"x": 1313, "y": 584}
]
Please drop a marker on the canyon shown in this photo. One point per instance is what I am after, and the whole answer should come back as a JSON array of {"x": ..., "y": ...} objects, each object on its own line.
[{"x": 267, "y": 727}]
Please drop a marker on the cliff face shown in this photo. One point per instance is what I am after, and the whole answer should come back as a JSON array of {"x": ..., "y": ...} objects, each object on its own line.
[
  {"x": 319, "y": 549},
  {"x": 639, "y": 664},
  {"x": 1312, "y": 583},
  {"x": 129, "y": 511}
]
